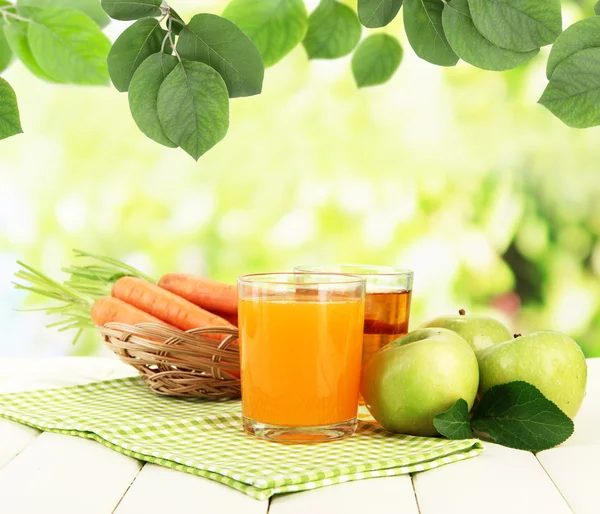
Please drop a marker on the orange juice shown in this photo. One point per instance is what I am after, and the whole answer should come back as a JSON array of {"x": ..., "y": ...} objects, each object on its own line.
[
  {"x": 300, "y": 359},
  {"x": 387, "y": 301}
]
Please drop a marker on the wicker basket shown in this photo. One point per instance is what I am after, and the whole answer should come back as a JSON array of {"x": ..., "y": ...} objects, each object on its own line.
[{"x": 177, "y": 363}]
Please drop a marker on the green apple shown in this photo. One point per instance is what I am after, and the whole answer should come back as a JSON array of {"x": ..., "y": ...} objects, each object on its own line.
[
  {"x": 480, "y": 332},
  {"x": 549, "y": 360},
  {"x": 414, "y": 378}
]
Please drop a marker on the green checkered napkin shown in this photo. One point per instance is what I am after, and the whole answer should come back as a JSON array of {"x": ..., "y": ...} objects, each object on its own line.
[{"x": 206, "y": 439}]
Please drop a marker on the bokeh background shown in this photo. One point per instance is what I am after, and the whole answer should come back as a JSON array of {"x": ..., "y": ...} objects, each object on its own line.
[{"x": 455, "y": 173}]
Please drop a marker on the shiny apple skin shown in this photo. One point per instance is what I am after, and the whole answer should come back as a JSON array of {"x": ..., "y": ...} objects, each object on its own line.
[
  {"x": 416, "y": 377},
  {"x": 551, "y": 361},
  {"x": 480, "y": 332}
]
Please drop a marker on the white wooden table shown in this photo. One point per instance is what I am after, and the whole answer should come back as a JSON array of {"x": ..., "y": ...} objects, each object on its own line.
[{"x": 48, "y": 473}]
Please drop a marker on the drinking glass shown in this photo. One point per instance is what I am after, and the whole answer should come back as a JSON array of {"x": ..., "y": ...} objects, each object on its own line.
[
  {"x": 300, "y": 350},
  {"x": 387, "y": 301}
]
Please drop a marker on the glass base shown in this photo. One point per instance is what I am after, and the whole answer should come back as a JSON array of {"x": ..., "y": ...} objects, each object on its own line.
[{"x": 299, "y": 435}]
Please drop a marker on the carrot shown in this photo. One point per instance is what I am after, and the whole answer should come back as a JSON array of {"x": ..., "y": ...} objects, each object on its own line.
[
  {"x": 209, "y": 294},
  {"x": 232, "y": 318},
  {"x": 107, "y": 309},
  {"x": 164, "y": 305}
]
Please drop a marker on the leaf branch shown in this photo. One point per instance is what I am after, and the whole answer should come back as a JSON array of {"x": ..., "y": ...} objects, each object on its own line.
[
  {"x": 6, "y": 12},
  {"x": 167, "y": 13}
]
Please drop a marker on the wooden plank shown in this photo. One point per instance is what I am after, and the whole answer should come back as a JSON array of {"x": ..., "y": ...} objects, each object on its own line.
[
  {"x": 163, "y": 490},
  {"x": 29, "y": 374},
  {"x": 71, "y": 475},
  {"x": 587, "y": 420},
  {"x": 573, "y": 465},
  {"x": 499, "y": 481},
  {"x": 574, "y": 471},
  {"x": 387, "y": 494},
  {"x": 59, "y": 474},
  {"x": 13, "y": 438}
]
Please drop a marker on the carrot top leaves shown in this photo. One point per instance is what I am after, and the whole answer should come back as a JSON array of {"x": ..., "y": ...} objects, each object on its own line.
[{"x": 75, "y": 296}]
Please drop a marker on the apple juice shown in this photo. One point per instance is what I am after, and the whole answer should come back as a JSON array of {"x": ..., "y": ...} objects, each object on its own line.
[{"x": 386, "y": 319}]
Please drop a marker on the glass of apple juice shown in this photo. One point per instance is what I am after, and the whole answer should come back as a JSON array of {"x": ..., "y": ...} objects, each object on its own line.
[
  {"x": 301, "y": 353},
  {"x": 387, "y": 301}
]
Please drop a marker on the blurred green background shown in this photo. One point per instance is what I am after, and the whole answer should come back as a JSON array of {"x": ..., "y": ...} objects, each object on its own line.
[{"x": 455, "y": 173}]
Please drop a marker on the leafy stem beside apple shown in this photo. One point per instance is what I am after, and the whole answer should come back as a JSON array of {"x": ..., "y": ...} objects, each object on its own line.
[{"x": 515, "y": 414}]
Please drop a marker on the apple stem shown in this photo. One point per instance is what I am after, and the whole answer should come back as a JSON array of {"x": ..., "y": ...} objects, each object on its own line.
[
  {"x": 462, "y": 312},
  {"x": 516, "y": 336}
]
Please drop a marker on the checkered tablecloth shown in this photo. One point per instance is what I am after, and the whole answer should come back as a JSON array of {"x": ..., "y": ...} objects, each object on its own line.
[{"x": 206, "y": 439}]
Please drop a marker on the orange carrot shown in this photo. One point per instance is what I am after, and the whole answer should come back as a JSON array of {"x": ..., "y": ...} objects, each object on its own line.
[
  {"x": 164, "y": 305},
  {"x": 107, "y": 309},
  {"x": 232, "y": 318},
  {"x": 209, "y": 294}
]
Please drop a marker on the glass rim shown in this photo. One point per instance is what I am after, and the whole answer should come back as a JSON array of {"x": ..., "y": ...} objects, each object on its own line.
[
  {"x": 391, "y": 271},
  {"x": 254, "y": 278}
]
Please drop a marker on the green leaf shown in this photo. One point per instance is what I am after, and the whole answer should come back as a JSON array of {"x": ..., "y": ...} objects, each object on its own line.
[
  {"x": 275, "y": 26},
  {"x": 6, "y": 54},
  {"x": 425, "y": 33},
  {"x": 193, "y": 107},
  {"x": 579, "y": 36},
  {"x": 176, "y": 27},
  {"x": 221, "y": 44},
  {"x": 10, "y": 124},
  {"x": 376, "y": 59},
  {"x": 597, "y": 8},
  {"x": 131, "y": 9},
  {"x": 333, "y": 31},
  {"x": 573, "y": 93},
  {"x": 11, "y": 9},
  {"x": 472, "y": 47},
  {"x": 69, "y": 46},
  {"x": 377, "y": 13},
  {"x": 454, "y": 423},
  {"x": 518, "y": 25},
  {"x": 143, "y": 95},
  {"x": 132, "y": 47},
  {"x": 91, "y": 8},
  {"x": 16, "y": 35},
  {"x": 518, "y": 415}
]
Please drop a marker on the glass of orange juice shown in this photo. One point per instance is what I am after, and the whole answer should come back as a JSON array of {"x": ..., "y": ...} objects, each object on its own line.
[
  {"x": 300, "y": 349},
  {"x": 387, "y": 301}
]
